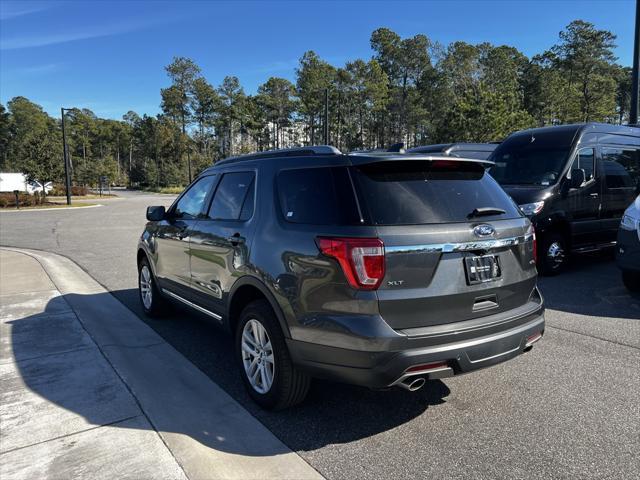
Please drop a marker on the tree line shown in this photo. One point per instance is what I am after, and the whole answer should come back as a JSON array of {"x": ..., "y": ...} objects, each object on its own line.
[{"x": 412, "y": 90}]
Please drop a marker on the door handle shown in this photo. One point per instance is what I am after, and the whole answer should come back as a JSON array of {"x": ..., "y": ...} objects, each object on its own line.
[
  {"x": 235, "y": 239},
  {"x": 594, "y": 195}
]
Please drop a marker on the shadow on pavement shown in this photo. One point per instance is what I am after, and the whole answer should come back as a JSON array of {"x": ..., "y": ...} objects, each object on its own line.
[
  {"x": 591, "y": 285},
  {"x": 80, "y": 381}
]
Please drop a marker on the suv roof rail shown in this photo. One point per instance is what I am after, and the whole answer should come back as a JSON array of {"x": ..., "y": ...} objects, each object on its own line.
[{"x": 284, "y": 152}]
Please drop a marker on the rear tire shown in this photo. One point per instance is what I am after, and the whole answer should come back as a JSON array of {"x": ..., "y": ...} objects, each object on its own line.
[
  {"x": 268, "y": 374},
  {"x": 631, "y": 280},
  {"x": 552, "y": 254},
  {"x": 151, "y": 300}
]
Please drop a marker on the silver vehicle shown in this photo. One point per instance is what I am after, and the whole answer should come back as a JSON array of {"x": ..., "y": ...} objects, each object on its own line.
[{"x": 628, "y": 246}]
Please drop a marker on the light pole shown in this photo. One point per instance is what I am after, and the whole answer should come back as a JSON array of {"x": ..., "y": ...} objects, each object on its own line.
[
  {"x": 67, "y": 172},
  {"x": 633, "y": 113}
]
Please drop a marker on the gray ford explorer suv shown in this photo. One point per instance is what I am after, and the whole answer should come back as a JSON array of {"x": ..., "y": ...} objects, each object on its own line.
[{"x": 377, "y": 269}]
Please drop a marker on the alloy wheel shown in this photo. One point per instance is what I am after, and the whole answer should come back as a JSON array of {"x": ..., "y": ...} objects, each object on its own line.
[
  {"x": 555, "y": 254},
  {"x": 146, "y": 291},
  {"x": 257, "y": 356}
]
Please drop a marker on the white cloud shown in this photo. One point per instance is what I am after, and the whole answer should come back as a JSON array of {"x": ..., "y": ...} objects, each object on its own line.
[
  {"x": 30, "y": 41},
  {"x": 35, "y": 70},
  {"x": 10, "y": 10}
]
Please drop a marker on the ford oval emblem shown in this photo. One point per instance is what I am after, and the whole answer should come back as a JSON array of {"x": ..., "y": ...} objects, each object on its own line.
[{"x": 484, "y": 230}]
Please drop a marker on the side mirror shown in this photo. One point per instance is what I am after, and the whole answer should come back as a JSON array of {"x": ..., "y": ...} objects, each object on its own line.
[
  {"x": 578, "y": 177},
  {"x": 155, "y": 214}
]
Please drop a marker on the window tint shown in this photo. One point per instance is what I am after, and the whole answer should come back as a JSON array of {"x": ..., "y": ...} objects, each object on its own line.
[
  {"x": 318, "y": 196},
  {"x": 412, "y": 193},
  {"x": 247, "y": 207},
  {"x": 585, "y": 160},
  {"x": 621, "y": 167},
  {"x": 191, "y": 204},
  {"x": 230, "y": 195},
  {"x": 532, "y": 158}
]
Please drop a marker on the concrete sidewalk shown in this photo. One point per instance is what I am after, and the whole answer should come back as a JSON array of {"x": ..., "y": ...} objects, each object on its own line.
[{"x": 90, "y": 391}]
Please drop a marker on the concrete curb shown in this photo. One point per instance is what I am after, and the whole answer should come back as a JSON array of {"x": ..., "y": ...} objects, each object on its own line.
[
  {"x": 207, "y": 431},
  {"x": 22, "y": 210}
]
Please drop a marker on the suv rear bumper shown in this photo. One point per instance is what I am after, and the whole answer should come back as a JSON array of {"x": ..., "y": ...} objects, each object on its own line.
[{"x": 380, "y": 369}]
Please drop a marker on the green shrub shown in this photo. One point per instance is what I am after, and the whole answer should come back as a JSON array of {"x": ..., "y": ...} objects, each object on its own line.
[
  {"x": 76, "y": 191},
  {"x": 8, "y": 200}
]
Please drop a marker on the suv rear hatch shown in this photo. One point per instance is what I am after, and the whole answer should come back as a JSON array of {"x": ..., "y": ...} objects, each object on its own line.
[{"x": 456, "y": 246}]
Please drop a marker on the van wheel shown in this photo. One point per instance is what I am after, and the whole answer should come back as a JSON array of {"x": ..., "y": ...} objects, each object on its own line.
[
  {"x": 266, "y": 368},
  {"x": 552, "y": 254},
  {"x": 631, "y": 280},
  {"x": 152, "y": 301}
]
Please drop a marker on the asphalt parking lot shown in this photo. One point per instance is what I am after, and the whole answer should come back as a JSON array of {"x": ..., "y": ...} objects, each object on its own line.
[{"x": 567, "y": 409}]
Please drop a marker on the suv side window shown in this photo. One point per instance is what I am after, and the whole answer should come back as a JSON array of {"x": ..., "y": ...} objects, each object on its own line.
[
  {"x": 234, "y": 196},
  {"x": 247, "y": 206},
  {"x": 621, "y": 167},
  {"x": 585, "y": 160},
  {"x": 191, "y": 204},
  {"x": 317, "y": 196}
]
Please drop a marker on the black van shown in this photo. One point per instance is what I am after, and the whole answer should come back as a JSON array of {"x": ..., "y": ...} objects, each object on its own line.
[{"x": 573, "y": 181}]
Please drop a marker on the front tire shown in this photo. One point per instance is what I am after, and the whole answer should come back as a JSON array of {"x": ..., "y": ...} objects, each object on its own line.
[
  {"x": 552, "y": 254},
  {"x": 267, "y": 372},
  {"x": 151, "y": 300}
]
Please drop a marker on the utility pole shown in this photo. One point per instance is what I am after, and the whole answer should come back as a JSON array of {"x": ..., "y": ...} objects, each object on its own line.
[
  {"x": 67, "y": 173},
  {"x": 326, "y": 115},
  {"x": 633, "y": 113}
]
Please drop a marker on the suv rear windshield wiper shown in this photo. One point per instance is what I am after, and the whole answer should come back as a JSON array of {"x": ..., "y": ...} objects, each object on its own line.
[{"x": 482, "y": 211}]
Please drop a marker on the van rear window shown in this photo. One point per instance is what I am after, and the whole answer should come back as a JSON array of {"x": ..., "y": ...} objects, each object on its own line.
[{"x": 415, "y": 192}]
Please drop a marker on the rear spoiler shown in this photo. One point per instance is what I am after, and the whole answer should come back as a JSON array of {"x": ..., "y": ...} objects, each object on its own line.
[{"x": 365, "y": 158}]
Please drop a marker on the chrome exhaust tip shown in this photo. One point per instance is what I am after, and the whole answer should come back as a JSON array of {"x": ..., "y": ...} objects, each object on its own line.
[{"x": 412, "y": 384}]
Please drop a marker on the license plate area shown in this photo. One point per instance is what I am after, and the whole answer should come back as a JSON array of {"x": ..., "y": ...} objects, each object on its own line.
[{"x": 482, "y": 269}]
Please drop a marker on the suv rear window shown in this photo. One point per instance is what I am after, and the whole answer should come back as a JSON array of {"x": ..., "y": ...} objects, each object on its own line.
[
  {"x": 415, "y": 192},
  {"x": 318, "y": 196}
]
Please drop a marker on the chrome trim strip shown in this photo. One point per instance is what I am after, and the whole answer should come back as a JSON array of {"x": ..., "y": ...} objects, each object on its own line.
[
  {"x": 193, "y": 305},
  {"x": 460, "y": 247}
]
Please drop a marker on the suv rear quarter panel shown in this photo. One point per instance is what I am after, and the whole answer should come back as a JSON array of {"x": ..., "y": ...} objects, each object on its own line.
[{"x": 310, "y": 289}]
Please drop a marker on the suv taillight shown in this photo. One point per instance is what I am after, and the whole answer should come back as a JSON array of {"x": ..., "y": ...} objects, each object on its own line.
[
  {"x": 535, "y": 245},
  {"x": 361, "y": 259}
]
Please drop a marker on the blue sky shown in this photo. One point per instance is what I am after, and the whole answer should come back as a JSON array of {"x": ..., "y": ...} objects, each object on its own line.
[{"x": 109, "y": 55}]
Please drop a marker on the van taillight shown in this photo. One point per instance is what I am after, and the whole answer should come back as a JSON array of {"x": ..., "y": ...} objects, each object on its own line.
[{"x": 361, "y": 259}]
